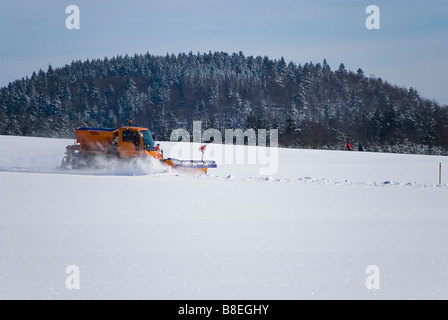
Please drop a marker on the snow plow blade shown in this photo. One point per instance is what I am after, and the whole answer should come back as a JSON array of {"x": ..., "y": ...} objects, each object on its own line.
[{"x": 190, "y": 166}]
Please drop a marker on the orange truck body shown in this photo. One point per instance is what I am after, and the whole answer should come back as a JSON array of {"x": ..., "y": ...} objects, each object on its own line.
[
  {"x": 94, "y": 141},
  {"x": 125, "y": 142}
]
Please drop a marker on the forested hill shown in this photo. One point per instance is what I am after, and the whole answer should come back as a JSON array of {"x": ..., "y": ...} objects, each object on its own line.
[{"x": 310, "y": 104}]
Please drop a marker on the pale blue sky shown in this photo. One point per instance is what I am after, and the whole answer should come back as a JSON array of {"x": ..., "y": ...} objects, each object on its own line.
[{"x": 410, "y": 49}]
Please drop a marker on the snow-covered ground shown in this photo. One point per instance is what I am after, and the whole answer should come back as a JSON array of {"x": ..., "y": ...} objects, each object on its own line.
[{"x": 310, "y": 230}]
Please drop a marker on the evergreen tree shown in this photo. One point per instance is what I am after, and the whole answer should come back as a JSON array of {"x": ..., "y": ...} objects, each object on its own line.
[
  {"x": 3, "y": 121},
  {"x": 13, "y": 127}
]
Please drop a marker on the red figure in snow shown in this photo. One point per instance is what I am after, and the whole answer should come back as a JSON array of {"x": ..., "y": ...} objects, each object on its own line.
[{"x": 349, "y": 146}]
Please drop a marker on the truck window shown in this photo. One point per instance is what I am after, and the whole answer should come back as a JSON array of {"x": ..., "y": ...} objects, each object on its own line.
[
  {"x": 136, "y": 138},
  {"x": 148, "y": 141},
  {"x": 127, "y": 136}
]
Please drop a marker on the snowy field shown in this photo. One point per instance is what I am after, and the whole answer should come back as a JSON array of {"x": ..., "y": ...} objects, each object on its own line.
[{"x": 309, "y": 230}]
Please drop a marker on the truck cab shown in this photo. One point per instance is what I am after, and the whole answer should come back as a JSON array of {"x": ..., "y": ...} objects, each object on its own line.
[{"x": 136, "y": 142}]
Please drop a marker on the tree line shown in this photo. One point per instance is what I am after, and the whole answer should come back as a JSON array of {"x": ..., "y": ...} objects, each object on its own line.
[{"x": 311, "y": 105}]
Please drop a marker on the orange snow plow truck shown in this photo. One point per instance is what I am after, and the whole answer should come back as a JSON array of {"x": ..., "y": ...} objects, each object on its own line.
[{"x": 123, "y": 143}]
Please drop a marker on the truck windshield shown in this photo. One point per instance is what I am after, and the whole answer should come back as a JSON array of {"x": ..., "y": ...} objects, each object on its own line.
[{"x": 148, "y": 141}]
